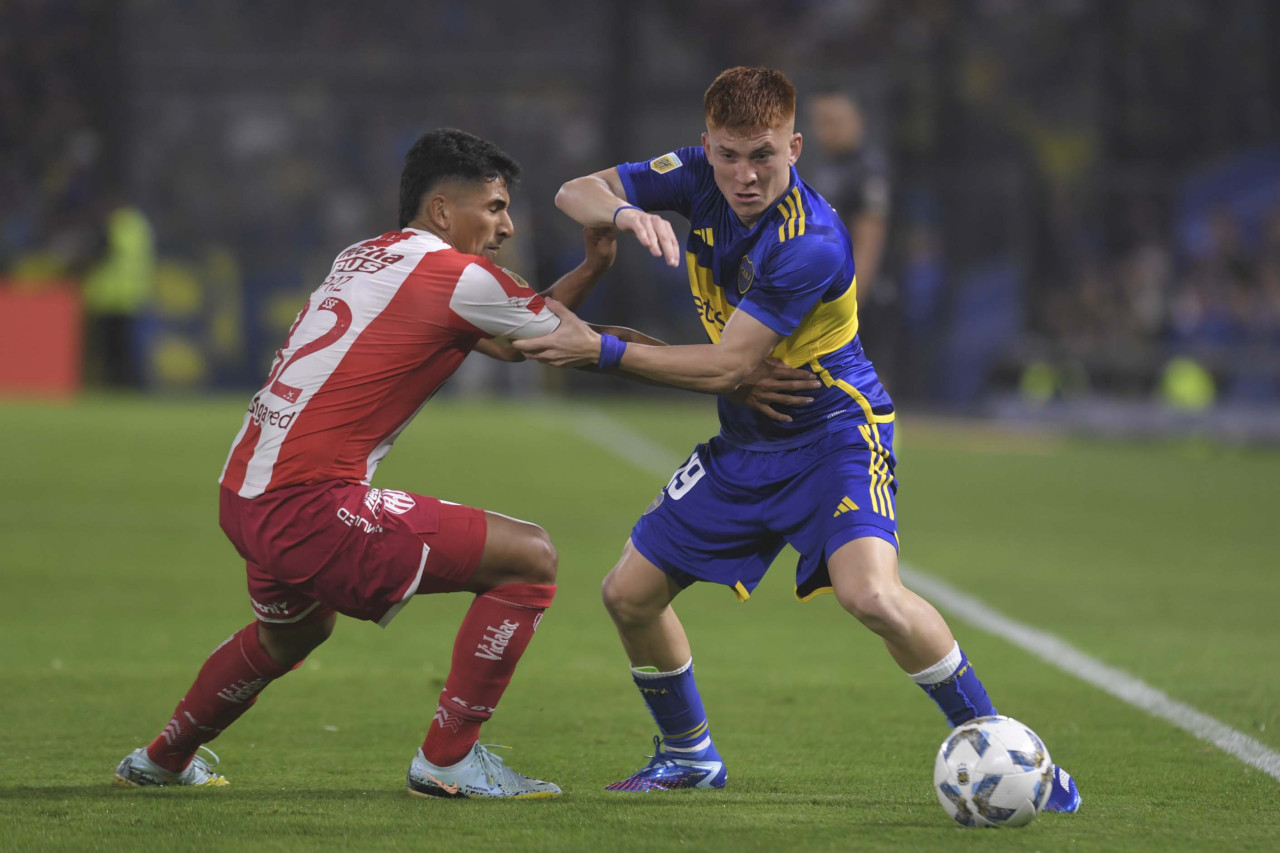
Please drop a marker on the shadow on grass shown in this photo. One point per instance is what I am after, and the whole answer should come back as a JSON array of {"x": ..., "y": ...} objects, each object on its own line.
[{"x": 112, "y": 793}]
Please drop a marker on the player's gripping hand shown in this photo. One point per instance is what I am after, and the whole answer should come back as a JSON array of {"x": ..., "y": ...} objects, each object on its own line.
[
  {"x": 653, "y": 232},
  {"x": 572, "y": 344},
  {"x": 775, "y": 384},
  {"x": 602, "y": 245}
]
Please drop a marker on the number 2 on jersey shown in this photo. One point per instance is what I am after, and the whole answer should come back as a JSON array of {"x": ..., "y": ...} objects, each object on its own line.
[{"x": 342, "y": 321}]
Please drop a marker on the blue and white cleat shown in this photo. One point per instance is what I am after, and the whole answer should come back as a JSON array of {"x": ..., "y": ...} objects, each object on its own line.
[
  {"x": 1063, "y": 796},
  {"x": 479, "y": 774},
  {"x": 666, "y": 772}
]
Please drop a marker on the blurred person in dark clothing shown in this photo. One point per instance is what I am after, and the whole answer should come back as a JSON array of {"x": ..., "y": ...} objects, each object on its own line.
[{"x": 853, "y": 175}]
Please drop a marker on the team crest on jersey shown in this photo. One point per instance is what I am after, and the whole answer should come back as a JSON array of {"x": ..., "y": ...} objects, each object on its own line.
[
  {"x": 516, "y": 278},
  {"x": 396, "y": 502},
  {"x": 655, "y": 503},
  {"x": 665, "y": 163},
  {"x": 746, "y": 275},
  {"x": 389, "y": 499}
]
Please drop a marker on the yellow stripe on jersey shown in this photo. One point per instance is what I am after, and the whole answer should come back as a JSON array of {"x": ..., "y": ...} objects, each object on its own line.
[
  {"x": 714, "y": 310},
  {"x": 826, "y": 328},
  {"x": 792, "y": 209},
  {"x": 782, "y": 229},
  {"x": 741, "y": 591},
  {"x": 707, "y": 236},
  {"x": 858, "y": 397}
]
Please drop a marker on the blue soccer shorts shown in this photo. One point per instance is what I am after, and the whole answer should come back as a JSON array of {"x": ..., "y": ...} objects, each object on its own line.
[{"x": 728, "y": 512}]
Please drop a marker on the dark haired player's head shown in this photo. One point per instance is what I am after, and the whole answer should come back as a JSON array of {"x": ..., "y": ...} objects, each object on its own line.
[
  {"x": 456, "y": 186},
  {"x": 836, "y": 118},
  {"x": 751, "y": 141}
]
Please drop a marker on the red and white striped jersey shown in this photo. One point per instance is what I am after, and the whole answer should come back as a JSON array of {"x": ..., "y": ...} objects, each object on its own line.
[{"x": 390, "y": 324}]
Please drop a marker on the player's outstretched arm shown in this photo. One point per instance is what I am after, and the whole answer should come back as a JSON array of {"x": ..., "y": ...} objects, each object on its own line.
[
  {"x": 499, "y": 350},
  {"x": 770, "y": 386},
  {"x": 631, "y": 336},
  {"x": 600, "y": 200},
  {"x": 573, "y": 288},
  {"x": 711, "y": 368}
]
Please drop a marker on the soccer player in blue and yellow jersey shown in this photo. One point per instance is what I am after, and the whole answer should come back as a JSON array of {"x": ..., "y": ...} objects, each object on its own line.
[{"x": 772, "y": 273}]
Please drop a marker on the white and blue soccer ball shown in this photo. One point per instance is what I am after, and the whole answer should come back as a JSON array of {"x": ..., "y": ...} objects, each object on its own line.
[{"x": 993, "y": 771}]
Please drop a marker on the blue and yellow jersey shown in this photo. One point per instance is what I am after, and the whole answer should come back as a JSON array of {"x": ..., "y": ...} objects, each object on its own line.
[{"x": 792, "y": 271}]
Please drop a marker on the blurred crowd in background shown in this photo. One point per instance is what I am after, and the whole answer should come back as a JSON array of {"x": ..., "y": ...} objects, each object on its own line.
[{"x": 1050, "y": 199}]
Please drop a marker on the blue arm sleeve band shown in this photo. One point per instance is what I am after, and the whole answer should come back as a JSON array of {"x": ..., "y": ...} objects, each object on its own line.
[
  {"x": 622, "y": 208},
  {"x": 611, "y": 350}
]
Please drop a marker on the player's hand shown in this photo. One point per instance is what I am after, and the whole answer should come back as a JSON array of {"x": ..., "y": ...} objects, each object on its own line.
[
  {"x": 653, "y": 232},
  {"x": 572, "y": 344},
  {"x": 775, "y": 384},
  {"x": 602, "y": 246}
]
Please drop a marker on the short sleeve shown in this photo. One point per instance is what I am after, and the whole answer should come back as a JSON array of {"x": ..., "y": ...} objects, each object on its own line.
[
  {"x": 499, "y": 303},
  {"x": 669, "y": 182},
  {"x": 795, "y": 275}
]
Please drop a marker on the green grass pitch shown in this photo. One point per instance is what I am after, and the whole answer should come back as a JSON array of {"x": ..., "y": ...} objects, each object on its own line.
[{"x": 115, "y": 583}]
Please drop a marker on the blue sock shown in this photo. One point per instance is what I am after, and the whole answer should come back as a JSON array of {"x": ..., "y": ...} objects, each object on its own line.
[
  {"x": 673, "y": 700},
  {"x": 954, "y": 686}
]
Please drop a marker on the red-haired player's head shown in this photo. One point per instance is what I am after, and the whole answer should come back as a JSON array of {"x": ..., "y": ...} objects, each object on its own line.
[{"x": 751, "y": 141}]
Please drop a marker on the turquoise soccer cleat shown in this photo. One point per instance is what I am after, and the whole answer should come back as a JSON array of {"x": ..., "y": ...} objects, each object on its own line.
[
  {"x": 479, "y": 774},
  {"x": 137, "y": 770}
]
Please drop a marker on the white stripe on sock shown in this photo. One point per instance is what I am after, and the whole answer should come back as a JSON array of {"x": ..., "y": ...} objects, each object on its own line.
[
  {"x": 638, "y": 674},
  {"x": 941, "y": 670},
  {"x": 697, "y": 747}
]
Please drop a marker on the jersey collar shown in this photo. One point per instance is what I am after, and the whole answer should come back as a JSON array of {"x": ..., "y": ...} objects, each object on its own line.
[{"x": 424, "y": 233}]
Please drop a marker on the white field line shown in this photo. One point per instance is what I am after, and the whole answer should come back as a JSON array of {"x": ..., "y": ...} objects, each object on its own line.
[{"x": 617, "y": 438}]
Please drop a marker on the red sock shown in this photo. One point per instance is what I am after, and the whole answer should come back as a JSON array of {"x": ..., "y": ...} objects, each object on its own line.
[
  {"x": 494, "y": 634},
  {"x": 228, "y": 684}
]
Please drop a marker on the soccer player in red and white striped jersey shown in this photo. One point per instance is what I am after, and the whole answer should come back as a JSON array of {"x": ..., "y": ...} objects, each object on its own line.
[{"x": 393, "y": 320}]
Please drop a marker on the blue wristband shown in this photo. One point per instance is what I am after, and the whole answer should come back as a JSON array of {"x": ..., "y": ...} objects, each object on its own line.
[
  {"x": 622, "y": 208},
  {"x": 611, "y": 350}
]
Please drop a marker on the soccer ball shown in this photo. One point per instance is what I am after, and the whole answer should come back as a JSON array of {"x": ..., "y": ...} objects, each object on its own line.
[{"x": 992, "y": 771}]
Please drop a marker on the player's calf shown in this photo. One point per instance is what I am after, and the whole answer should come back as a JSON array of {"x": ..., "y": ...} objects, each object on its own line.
[
  {"x": 226, "y": 687},
  {"x": 491, "y": 640}
]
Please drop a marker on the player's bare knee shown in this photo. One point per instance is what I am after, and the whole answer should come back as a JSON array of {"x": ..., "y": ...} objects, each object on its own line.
[
  {"x": 546, "y": 563},
  {"x": 324, "y": 628},
  {"x": 874, "y": 606},
  {"x": 623, "y": 608},
  {"x": 539, "y": 558},
  {"x": 609, "y": 593},
  {"x": 289, "y": 645}
]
